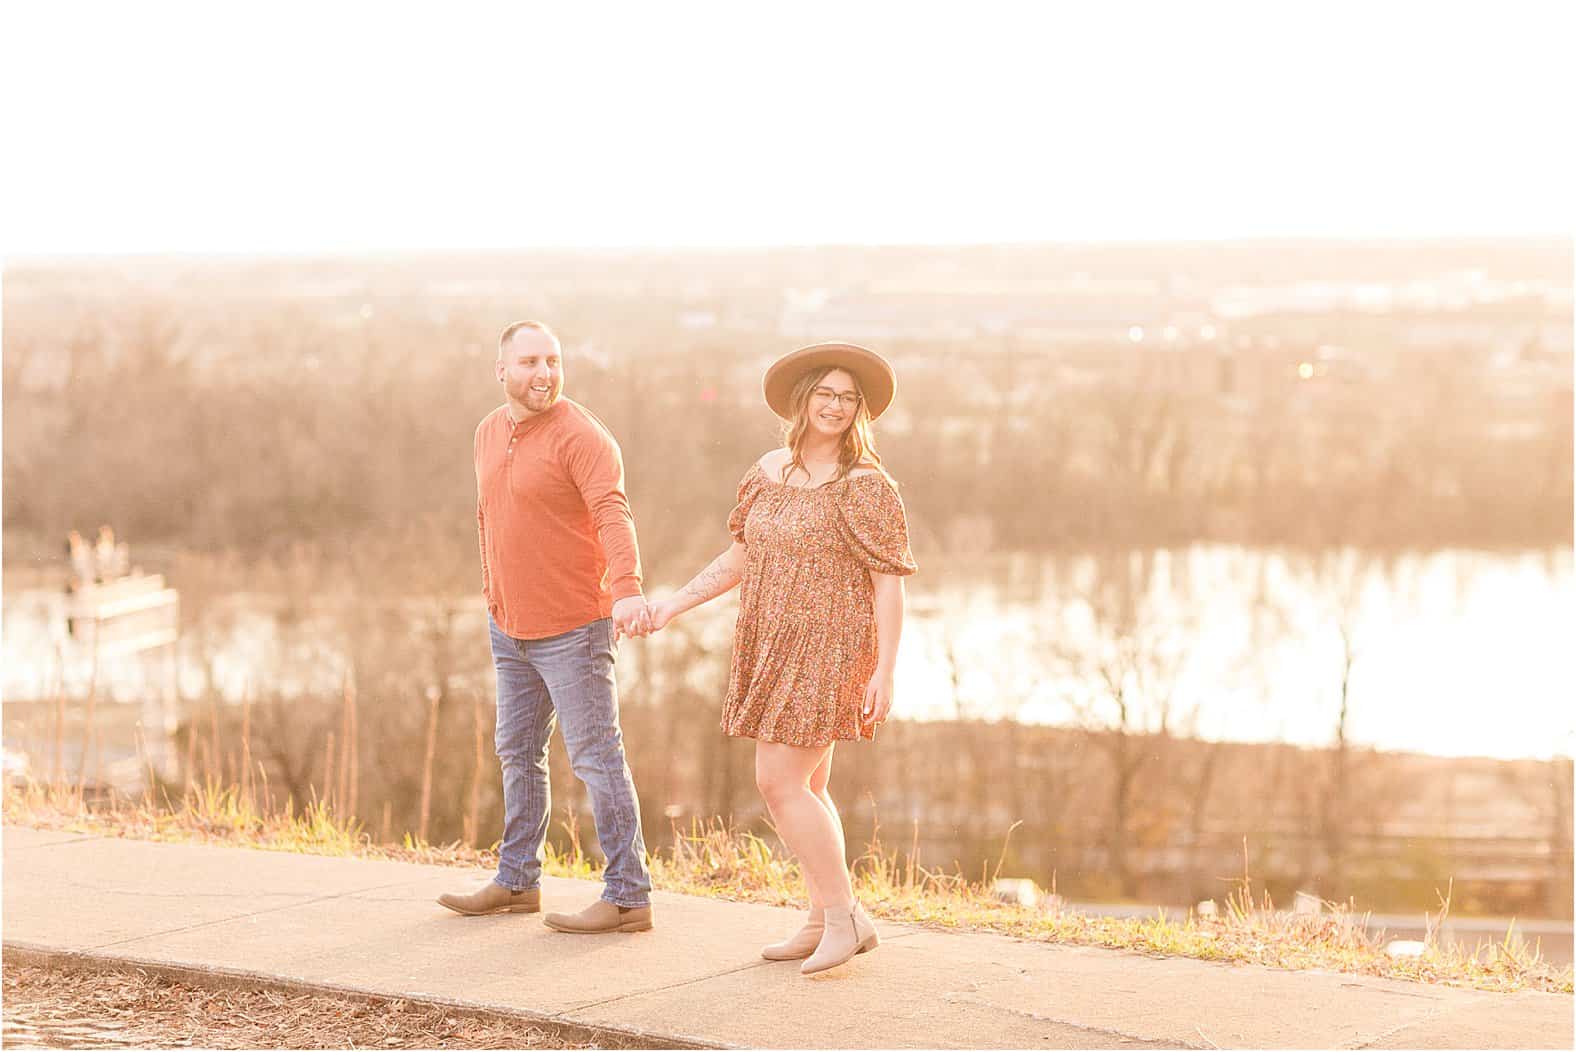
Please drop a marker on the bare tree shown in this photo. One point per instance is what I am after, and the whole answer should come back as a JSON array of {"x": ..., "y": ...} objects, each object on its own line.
[
  {"x": 1122, "y": 665},
  {"x": 1337, "y": 578}
]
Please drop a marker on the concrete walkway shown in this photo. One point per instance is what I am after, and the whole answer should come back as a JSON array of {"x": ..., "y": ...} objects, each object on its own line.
[{"x": 373, "y": 927}]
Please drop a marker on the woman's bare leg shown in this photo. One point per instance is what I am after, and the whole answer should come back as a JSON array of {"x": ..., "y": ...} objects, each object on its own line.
[
  {"x": 818, "y": 782},
  {"x": 810, "y": 829}
]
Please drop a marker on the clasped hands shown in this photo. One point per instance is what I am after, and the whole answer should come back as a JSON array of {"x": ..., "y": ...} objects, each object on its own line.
[{"x": 633, "y": 616}]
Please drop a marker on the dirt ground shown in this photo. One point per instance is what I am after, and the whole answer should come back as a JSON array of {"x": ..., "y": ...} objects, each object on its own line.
[{"x": 67, "y": 1007}]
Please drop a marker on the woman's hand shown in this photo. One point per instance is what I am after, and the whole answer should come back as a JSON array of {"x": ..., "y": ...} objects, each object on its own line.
[
  {"x": 661, "y": 612},
  {"x": 878, "y": 699}
]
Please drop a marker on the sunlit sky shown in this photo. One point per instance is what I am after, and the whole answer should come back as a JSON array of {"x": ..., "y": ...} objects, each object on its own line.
[{"x": 358, "y": 127}]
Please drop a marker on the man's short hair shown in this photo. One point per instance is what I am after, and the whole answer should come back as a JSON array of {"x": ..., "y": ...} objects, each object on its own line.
[{"x": 509, "y": 332}]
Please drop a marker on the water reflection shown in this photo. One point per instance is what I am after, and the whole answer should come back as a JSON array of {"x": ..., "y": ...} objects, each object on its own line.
[
  {"x": 1453, "y": 652},
  {"x": 1446, "y": 652}
]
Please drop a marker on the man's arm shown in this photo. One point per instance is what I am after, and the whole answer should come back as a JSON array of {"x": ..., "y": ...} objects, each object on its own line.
[
  {"x": 596, "y": 466},
  {"x": 481, "y": 517}
]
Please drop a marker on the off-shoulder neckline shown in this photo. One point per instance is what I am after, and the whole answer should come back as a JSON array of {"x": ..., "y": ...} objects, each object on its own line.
[{"x": 813, "y": 489}]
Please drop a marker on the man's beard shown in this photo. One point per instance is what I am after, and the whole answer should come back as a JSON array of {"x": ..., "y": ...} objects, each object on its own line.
[{"x": 534, "y": 400}]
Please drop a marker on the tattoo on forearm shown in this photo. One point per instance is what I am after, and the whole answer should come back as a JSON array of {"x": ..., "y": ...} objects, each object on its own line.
[{"x": 712, "y": 581}]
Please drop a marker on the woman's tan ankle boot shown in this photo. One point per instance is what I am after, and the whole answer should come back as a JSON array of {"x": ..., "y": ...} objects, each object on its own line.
[
  {"x": 848, "y": 931},
  {"x": 801, "y": 943}
]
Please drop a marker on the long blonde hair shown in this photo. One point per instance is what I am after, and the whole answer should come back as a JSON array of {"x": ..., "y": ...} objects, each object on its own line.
[{"x": 858, "y": 445}]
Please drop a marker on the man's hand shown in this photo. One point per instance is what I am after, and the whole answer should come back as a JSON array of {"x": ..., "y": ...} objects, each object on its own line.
[{"x": 630, "y": 617}]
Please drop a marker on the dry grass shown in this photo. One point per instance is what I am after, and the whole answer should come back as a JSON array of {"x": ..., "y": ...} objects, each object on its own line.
[
  {"x": 715, "y": 861},
  {"x": 69, "y": 1007}
]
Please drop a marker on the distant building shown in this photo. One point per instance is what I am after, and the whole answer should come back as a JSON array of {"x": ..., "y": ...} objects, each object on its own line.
[{"x": 952, "y": 317}]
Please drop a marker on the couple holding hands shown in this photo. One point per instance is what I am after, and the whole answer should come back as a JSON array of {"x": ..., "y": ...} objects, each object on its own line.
[{"x": 820, "y": 548}]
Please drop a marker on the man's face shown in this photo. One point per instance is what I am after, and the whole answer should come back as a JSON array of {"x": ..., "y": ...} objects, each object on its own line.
[{"x": 531, "y": 369}]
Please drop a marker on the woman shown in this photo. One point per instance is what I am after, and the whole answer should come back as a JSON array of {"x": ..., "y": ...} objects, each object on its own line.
[{"x": 821, "y": 549}]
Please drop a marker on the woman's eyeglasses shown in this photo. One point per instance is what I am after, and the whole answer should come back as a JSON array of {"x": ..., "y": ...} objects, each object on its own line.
[{"x": 824, "y": 395}]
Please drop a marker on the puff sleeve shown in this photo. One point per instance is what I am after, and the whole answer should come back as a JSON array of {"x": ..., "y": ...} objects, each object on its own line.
[
  {"x": 872, "y": 523},
  {"x": 749, "y": 488}
]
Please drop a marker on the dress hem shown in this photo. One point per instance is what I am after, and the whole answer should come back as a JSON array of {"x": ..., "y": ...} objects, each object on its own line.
[{"x": 801, "y": 745}]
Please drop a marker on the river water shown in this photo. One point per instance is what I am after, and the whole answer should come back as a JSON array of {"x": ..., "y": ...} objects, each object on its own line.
[
  {"x": 1452, "y": 653},
  {"x": 1455, "y": 653}
]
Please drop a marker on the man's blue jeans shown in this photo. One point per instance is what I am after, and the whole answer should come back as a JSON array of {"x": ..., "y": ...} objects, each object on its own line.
[{"x": 567, "y": 678}]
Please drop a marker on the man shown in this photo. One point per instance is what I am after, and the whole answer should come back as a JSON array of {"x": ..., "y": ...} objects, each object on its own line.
[{"x": 561, "y": 573}]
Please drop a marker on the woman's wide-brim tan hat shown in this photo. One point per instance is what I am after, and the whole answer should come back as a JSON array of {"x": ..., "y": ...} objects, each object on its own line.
[{"x": 877, "y": 381}]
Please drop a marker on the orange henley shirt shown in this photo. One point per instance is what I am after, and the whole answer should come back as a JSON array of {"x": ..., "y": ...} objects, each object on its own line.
[{"x": 557, "y": 537}]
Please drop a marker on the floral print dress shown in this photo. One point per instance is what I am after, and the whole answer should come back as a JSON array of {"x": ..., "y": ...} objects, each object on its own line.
[{"x": 805, "y": 644}]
